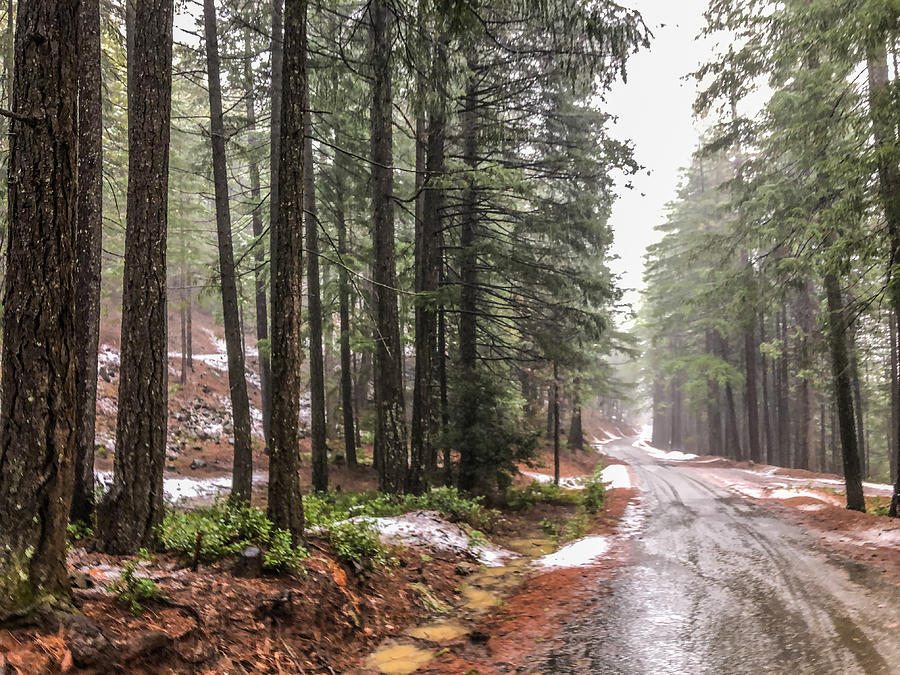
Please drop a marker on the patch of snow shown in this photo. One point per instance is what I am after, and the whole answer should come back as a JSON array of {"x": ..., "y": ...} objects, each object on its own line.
[
  {"x": 426, "y": 529},
  {"x": 185, "y": 491},
  {"x": 616, "y": 475},
  {"x": 567, "y": 482},
  {"x": 581, "y": 553},
  {"x": 108, "y": 356},
  {"x": 674, "y": 455}
]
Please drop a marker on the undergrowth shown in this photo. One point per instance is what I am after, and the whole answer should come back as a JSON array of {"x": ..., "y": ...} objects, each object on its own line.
[
  {"x": 223, "y": 530},
  {"x": 132, "y": 589},
  {"x": 323, "y": 509}
]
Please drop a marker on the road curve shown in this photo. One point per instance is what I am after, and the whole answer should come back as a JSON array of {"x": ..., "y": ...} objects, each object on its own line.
[{"x": 719, "y": 585}]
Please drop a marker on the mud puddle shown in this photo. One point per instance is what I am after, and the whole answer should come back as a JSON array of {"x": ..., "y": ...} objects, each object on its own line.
[{"x": 479, "y": 593}]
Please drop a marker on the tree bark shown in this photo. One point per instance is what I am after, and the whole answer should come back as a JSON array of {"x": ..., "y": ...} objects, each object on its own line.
[
  {"x": 132, "y": 509},
  {"x": 884, "y": 131},
  {"x": 555, "y": 424},
  {"x": 390, "y": 419},
  {"x": 713, "y": 403},
  {"x": 806, "y": 447},
  {"x": 471, "y": 468},
  {"x": 242, "y": 472},
  {"x": 784, "y": 413},
  {"x": 314, "y": 298},
  {"x": 344, "y": 303},
  {"x": 576, "y": 432},
  {"x": 429, "y": 203},
  {"x": 840, "y": 367},
  {"x": 659, "y": 437},
  {"x": 38, "y": 405},
  {"x": 88, "y": 236},
  {"x": 285, "y": 503},
  {"x": 750, "y": 390},
  {"x": 766, "y": 402},
  {"x": 262, "y": 314},
  {"x": 894, "y": 434}
]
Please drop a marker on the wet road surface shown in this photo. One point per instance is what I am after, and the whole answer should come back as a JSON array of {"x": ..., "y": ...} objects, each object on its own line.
[{"x": 718, "y": 585}]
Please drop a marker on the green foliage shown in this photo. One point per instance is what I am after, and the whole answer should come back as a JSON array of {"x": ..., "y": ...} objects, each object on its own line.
[
  {"x": 321, "y": 510},
  {"x": 594, "y": 492},
  {"x": 79, "y": 530},
  {"x": 880, "y": 506},
  {"x": 132, "y": 589},
  {"x": 225, "y": 529},
  {"x": 540, "y": 493},
  {"x": 487, "y": 419},
  {"x": 357, "y": 541},
  {"x": 576, "y": 526}
]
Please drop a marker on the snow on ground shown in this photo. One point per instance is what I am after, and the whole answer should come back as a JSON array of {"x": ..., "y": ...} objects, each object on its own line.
[
  {"x": 568, "y": 482},
  {"x": 609, "y": 439},
  {"x": 673, "y": 455},
  {"x": 185, "y": 491},
  {"x": 784, "y": 492},
  {"x": 426, "y": 529},
  {"x": 616, "y": 476},
  {"x": 580, "y": 553},
  {"x": 108, "y": 356}
]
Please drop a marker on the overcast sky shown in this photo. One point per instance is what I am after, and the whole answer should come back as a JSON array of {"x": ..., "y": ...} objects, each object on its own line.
[{"x": 654, "y": 111}]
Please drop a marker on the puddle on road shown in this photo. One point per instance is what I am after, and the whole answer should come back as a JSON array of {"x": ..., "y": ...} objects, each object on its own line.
[
  {"x": 439, "y": 631},
  {"x": 399, "y": 659}
]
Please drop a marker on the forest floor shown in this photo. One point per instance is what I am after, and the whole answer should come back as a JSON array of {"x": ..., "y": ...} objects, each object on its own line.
[{"x": 435, "y": 605}]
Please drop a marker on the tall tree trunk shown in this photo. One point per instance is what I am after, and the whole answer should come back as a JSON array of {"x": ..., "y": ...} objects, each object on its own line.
[
  {"x": 262, "y": 315},
  {"x": 471, "y": 468},
  {"x": 242, "y": 472},
  {"x": 314, "y": 297},
  {"x": 88, "y": 237},
  {"x": 189, "y": 301},
  {"x": 576, "y": 432},
  {"x": 38, "y": 405},
  {"x": 767, "y": 403},
  {"x": 182, "y": 311},
  {"x": 884, "y": 131},
  {"x": 840, "y": 366},
  {"x": 806, "y": 447},
  {"x": 132, "y": 509},
  {"x": 857, "y": 401},
  {"x": 390, "y": 421},
  {"x": 555, "y": 424},
  {"x": 344, "y": 303},
  {"x": 285, "y": 502},
  {"x": 676, "y": 434},
  {"x": 713, "y": 403},
  {"x": 750, "y": 389},
  {"x": 659, "y": 437},
  {"x": 442, "y": 376},
  {"x": 429, "y": 202},
  {"x": 784, "y": 413},
  {"x": 894, "y": 433}
]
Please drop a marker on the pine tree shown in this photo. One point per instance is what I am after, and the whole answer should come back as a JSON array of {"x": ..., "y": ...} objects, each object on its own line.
[{"x": 38, "y": 405}]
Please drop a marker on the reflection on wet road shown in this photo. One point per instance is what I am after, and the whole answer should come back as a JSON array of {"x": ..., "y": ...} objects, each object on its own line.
[{"x": 717, "y": 585}]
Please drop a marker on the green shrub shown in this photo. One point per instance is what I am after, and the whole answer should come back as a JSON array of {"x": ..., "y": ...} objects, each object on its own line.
[
  {"x": 226, "y": 529},
  {"x": 79, "y": 530},
  {"x": 323, "y": 509},
  {"x": 132, "y": 589},
  {"x": 880, "y": 507},
  {"x": 575, "y": 527},
  {"x": 594, "y": 492},
  {"x": 539, "y": 493},
  {"x": 357, "y": 541}
]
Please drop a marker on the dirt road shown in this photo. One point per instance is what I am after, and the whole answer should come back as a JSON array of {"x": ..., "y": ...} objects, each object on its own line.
[{"x": 718, "y": 585}]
